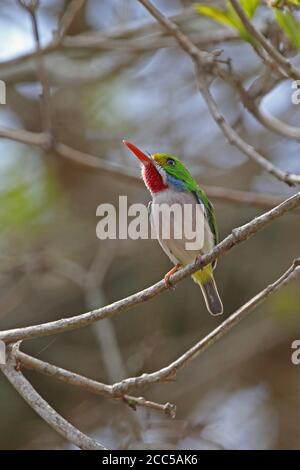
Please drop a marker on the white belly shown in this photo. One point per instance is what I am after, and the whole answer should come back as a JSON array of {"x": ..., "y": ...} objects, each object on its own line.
[{"x": 176, "y": 248}]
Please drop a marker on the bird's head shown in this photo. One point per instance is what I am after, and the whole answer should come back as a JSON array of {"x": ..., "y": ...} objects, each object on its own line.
[{"x": 161, "y": 170}]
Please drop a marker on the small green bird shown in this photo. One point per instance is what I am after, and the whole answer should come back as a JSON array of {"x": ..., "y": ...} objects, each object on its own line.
[{"x": 170, "y": 182}]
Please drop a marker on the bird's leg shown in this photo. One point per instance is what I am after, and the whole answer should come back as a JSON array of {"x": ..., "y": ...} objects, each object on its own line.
[{"x": 167, "y": 276}]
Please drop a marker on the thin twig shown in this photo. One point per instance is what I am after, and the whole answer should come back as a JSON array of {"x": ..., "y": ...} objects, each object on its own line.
[
  {"x": 237, "y": 236},
  {"x": 32, "y": 7},
  {"x": 68, "y": 17}
]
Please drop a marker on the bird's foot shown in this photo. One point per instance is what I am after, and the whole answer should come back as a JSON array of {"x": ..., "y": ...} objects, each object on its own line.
[{"x": 167, "y": 276}]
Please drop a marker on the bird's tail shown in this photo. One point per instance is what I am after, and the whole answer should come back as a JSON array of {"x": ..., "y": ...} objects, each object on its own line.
[{"x": 205, "y": 279}]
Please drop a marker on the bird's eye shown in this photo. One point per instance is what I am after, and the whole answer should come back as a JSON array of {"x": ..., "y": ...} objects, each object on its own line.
[{"x": 170, "y": 161}]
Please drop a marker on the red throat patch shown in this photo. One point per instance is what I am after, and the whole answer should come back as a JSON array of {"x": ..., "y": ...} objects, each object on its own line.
[{"x": 153, "y": 179}]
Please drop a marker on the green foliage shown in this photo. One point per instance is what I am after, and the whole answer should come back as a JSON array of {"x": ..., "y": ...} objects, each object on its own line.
[
  {"x": 289, "y": 25},
  {"x": 27, "y": 196},
  {"x": 229, "y": 17},
  {"x": 102, "y": 104},
  {"x": 249, "y": 7},
  {"x": 295, "y": 2},
  {"x": 282, "y": 3}
]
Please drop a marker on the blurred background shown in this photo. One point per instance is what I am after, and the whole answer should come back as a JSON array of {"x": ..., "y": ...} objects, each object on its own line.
[{"x": 117, "y": 75}]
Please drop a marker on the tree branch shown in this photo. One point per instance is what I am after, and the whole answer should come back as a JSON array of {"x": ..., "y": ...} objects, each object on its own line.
[
  {"x": 205, "y": 64},
  {"x": 91, "y": 162},
  {"x": 89, "y": 385},
  {"x": 289, "y": 178},
  {"x": 86, "y": 40},
  {"x": 237, "y": 236},
  {"x": 43, "y": 409},
  {"x": 67, "y": 19},
  {"x": 46, "y": 112},
  {"x": 169, "y": 372},
  {"x": 252, "y": 104},
  {"x": 24, "y": 137}
]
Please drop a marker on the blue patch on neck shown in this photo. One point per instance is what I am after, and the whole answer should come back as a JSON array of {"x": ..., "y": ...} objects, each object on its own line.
[{"x": 176, "y": 183}]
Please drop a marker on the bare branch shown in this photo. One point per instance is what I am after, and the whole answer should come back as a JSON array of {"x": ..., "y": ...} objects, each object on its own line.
[
  {"x": 118, "y": 390},
  {"x": 169, "y": 372},
  {"x": 32, "y": 7},
  {"x": 235, "y": 196},
  {"x": 289, "y": 178},
  {"x": 201, "y": 57},
  {"x": 252, "y": 104},
  {"x": 43, "y": 409},
  {"x": 115, "y": 32},
  {"x": 93, "y": 163},
  {"x": 149, "y": 35},
  {"x": 24, "y": 137},
  {"x": 237, "y": 236},
  {"x": 145, "y": 43},
  {"x": 67, "y": 19},
  {"x": 90, "y": 385}
]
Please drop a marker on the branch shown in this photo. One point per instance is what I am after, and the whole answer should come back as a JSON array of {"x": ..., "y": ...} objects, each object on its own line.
[
  {"x": 251, "y": 103},
  {"x": 169, "y": 372},
  {"x": 118, "y": 390},
  {"x": 25, "y": 137},
  {"x": 31, "y": 7},
  {"x": 43, "y": 409},
  {"x": 163, "y": 375},
  {"x": 94, "y": 163},
  {"x": 235, "y": 196},
  {"x": 91, "y": 162},
  {"x": 186, "y": 44},
  {"x": 206, "y": 63},
  {"x": 202, "y": 59},
  {"x": 234, "y": 139},
  {"x": 89, "y": 385},
  {"x": 145, "y": 43},
  {"x": 280, "y": 60},
  {"x": 237, "y": 236},
  {"x": 116, "y": 32},
  {"x": 67, "y": 19}
]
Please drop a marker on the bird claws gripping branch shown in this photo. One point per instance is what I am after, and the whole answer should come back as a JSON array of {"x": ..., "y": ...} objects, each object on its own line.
[{"x": 167, "y": 276}]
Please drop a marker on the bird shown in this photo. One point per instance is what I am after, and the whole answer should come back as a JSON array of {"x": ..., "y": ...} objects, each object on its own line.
[{"x": 169, "y": 182}]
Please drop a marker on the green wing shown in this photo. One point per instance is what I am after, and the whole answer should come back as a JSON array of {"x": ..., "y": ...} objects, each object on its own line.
[{"x": 210, "y": 214}]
